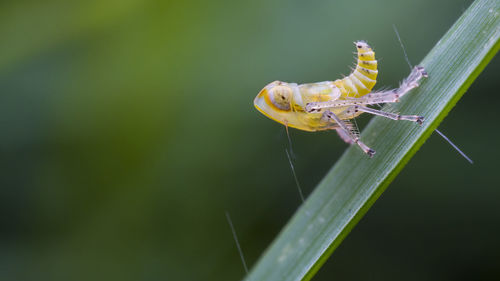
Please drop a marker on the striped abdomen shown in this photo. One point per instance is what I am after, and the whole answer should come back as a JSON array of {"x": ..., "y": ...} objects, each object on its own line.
[{"x": 361, "y": 81}]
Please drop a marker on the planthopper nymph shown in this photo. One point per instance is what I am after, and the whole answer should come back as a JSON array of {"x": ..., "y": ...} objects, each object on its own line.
[{"x": 329, "y": 105}]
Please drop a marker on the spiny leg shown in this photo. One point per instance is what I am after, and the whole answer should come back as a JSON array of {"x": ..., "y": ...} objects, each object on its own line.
[
  {"x": 375, "y": 98},
  {"x": 414, "y": 118},
  {"x": 346, "y": 134},
  {"x": 412, "y": 81}
]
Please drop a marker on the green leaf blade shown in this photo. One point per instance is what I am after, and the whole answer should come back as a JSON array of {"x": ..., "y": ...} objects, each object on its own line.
[{"x": 355, "y": 182}]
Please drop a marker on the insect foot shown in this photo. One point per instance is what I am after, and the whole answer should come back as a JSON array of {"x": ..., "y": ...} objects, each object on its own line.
[
  {"x": 416, "y": 74},
  {"x": 370, "y": 153},
  {"x": 422, "y": 71},
  {"x": 420, "y": 120}
]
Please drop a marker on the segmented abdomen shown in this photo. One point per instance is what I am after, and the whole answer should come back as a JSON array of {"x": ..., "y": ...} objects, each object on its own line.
[{"x": 361, "y": 81}]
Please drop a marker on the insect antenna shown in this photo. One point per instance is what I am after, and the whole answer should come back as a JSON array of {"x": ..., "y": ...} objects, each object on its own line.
[
  {"x": 436, "y": 130},
  {"x": 235, "y": 237}
]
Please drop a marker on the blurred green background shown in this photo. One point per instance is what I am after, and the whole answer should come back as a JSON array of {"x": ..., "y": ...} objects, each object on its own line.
[{"x": 128, "y": 130}]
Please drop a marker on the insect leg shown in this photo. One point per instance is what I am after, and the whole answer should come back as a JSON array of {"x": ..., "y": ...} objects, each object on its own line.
[
  {"x": 394, "y": 95},
  {"x": 346, "y": 134},
  {"x": 375, "y": 98},
  {"x": 414, "y": 118},
  {"x": 411, "y": 82}
]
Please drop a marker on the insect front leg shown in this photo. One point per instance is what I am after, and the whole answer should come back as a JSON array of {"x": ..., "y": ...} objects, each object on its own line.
[
  {"x": 346, "y": 134},
  {"x": 393, "y": 116},
  {"x": 394, "y": 95}
]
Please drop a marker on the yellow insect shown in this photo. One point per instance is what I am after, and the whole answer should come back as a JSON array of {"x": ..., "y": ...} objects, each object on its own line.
[{"x": 329, "y": 105}]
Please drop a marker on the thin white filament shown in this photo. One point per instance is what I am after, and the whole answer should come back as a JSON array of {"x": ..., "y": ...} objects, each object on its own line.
[
  {"x": 295, "y": 176},
  {"x": 289, "y": 141},
  {"x": 237, "y": 243},
  {"x": 454, "y": 146},
  {"x": 402, "y": 47}
]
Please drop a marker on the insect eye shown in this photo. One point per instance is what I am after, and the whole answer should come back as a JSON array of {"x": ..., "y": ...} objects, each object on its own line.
[{"x": 280, "y": 97}]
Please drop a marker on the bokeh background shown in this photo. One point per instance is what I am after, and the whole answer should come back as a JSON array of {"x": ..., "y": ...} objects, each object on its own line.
[{"x": 128, "y": 130}]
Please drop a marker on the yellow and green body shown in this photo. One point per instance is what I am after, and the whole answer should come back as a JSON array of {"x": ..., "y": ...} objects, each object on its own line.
[{"x": 285, "y": 102}]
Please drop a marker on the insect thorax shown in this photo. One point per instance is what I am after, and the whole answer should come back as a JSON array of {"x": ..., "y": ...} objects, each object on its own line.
[{"x": 318, "y": 92}]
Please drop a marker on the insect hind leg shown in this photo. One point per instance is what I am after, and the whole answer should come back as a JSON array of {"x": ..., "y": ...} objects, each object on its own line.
[
  {"x": 408, "y": 84},
  {"x": 390, "y": 96},
  {"x": 346, "y": 134},
  {"x": 412, "y": 81}
]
